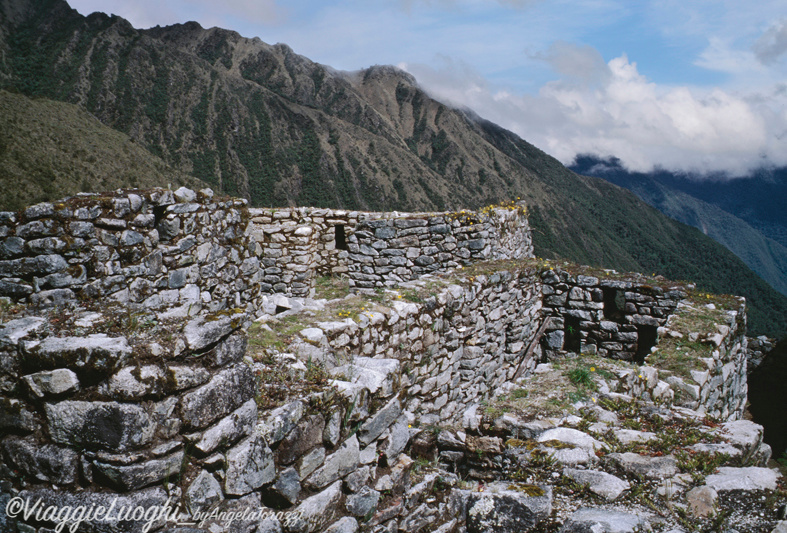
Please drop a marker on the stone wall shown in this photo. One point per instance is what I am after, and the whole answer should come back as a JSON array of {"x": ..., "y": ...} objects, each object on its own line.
[
  {"x": 154, "y": 248},
  {"x": 609, "y": 317},
  {"x": 169, "y": 419},
  {"x": 379, "y": 249},
  {"x": 300, "y": 243},
  {"x": 389, "y": 251},
  {"x": 456, "y": 343},
  {"x": 169, "y": 409},
  {"x": 86, "y": 413}
]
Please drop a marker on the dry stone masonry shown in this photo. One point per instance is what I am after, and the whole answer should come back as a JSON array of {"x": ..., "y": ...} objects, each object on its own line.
[
  {"x": 159, "y": 249},
  {"x": 126, "y": 378}
]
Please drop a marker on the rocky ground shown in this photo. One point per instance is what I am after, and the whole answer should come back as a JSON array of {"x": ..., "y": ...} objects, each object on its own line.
[
  {"x": 603, "y": 462},
  {"x": 562, "y": 451}
]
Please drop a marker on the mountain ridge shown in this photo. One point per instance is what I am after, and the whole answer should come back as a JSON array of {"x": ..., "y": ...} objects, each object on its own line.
[
  {"x": 260, "y": 121},
  {"x": 690, "y": 201}
]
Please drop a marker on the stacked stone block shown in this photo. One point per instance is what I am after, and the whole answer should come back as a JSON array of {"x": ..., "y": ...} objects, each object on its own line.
[
  {"x": 455, "y": 347},
  {"x": 720, "y": 389},
  {"x": 88, "y": 419},
  {"x": 390, "y": 251},
  {"x": 376, "y": 249},
  {"x": 604, "y": 316},
  {"x": 84, "y": 416},
  {"x": 297, "y": 244},
  {"x": 154, "y": 248}
]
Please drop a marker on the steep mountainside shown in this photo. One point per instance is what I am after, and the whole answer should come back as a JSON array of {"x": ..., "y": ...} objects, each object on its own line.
[
  {"x": 668, "y": 193},
  {"x": 260, "y": 121},
  {"x": 719, "y": 217},
  {"x": 49, "y": 150}
]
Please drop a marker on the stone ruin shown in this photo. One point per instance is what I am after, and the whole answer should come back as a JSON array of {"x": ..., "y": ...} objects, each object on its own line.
[{"x": 126, "y": 377}]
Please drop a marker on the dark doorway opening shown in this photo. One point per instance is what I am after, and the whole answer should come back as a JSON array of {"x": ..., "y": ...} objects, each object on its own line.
[
  {"x": 572, "y": 340},
  {"x": 340, "y": 239},
  {"x": 768, "y": 397},
  {"x": 614, "y": 304},
  {"x": 646, "y": 339}
]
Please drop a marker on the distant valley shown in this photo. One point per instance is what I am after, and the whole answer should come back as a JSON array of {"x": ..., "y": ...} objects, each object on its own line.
[
  {"x": 745, "y": 214},
  {"x": 262, "y": 122}
]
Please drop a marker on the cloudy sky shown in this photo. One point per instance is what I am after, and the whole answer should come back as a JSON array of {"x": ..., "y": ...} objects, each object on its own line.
[{"x": 695, "y": 85}]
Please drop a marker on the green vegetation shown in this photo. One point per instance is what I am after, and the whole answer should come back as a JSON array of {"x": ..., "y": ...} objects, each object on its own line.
[
  {"x": 51, "y": 150},
  {"x": 291, "y": 132}
]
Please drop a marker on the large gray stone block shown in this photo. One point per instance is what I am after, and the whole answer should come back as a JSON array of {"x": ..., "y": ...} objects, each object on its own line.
[
  {"x": 203, "y": 493},
  {"x": 93, "y": 354},
  {"x": 201, "y": 333},
  {"x": 605, "y": 485},
  {"x": 227, "y": 391},
  {"x": 249, "y": 466},
  {"x": 603, "y": 521},
  {"x": 47, "y": 463},
  {"x": 507, "y": 511},
  {"x": 337, "y": 465},
  {"x": 314, "y": 513},
  {"x": 52, "y": 383},
  {"x": 239, "y": 423},
  {"x": 137, "y": 476},
  {"x": 109, "y": 426},
  {"x": 374, "y": 426},
  {"x": 306, "y": 436}
]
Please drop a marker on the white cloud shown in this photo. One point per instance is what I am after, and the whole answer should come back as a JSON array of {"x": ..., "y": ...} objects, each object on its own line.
[
  {"x": 581, "y": 62},
  {"x": 629, "y": 117},
  {"x": 723, "y": 56},
  {"x": 772, "y": 44}
]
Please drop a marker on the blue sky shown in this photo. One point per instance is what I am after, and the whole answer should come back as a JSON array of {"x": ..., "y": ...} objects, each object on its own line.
[{"x": 685, "y": 84}]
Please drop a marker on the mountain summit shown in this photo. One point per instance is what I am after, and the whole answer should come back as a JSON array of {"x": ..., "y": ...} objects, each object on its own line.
[{"x": 260, "y": 121}]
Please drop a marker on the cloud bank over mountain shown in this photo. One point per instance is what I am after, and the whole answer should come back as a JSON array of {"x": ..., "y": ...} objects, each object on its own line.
[
  {"x": 695, "y": 86},
  {"x": 611, "y": 109}
]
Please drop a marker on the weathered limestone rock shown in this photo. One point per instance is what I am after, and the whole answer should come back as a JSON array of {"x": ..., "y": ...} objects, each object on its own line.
[
  {"x": 239, "y": 423},
  {"x": 337, "y": 465},
  {"x": 363, "y": 502},
  {"x": 52, "y": 382},
  {"x": 15, "y": 330},
  {"x": 347, "y": 524},
  {"x": 287, "y": 487},
  {"x": 603, "y": 521},
  {"x": 304, "y": 437},
  {"x": 650, "y": 467},
  {"x": 104, "y": 425},
  {"x": 134, "y": 382},
  {"x": 744, "y": 435},
  {"x": 227, "y": 391},
  {"x": 203, "y": 493},
  {"x": 571, "y": 436},
  {"x": 507, "y": 511},
  {"x": 702, "y": 501},
  {"x": 630, "y": 436},
  {"x": 747, "y": 478},
  {"x": 95, "y": 353},
  {"x": 315, "y": 512},
  {"x": 249, "y": 466},
  {"x": 140, "y": 475},
  {"x": 605, "y": 485},
  {"x": 201, "y": 333},
  {"x": 280, "y": 422},
  {"x": 48, "y": 463},
  {"x": 373, "y": 428}
]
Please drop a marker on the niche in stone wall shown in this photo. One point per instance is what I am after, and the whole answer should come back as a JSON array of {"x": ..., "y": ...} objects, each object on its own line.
[
  {"x": 572, "y": 339},
  {"x": 646, "y": 339},
  {"x": 340, "y": 237},
  {"x": 614, "y": 304}
]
